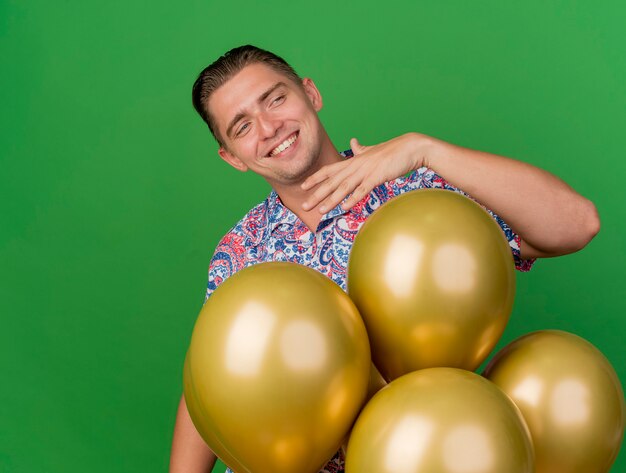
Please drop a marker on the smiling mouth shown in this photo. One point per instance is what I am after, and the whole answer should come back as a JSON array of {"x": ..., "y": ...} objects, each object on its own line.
[{"x": 291, "y": 139}]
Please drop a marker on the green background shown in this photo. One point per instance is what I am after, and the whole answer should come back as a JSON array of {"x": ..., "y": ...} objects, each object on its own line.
[{"x": 112, "y": 196}]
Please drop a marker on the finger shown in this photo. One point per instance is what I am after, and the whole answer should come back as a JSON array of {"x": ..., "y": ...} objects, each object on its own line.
[
  {"x": 337, "y": 195},
  {"x": 338, "y": 183},
  {"x": 315, "y": 179},
  {"x": 323, "y": 174},
  {"x": 357, "y": 148},
  {"x": 342, "y": 182},
  {"x": 359, "y": 193}
]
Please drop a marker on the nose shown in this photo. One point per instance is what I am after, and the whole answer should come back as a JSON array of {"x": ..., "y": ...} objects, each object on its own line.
[{"x": 269, "y": 125}]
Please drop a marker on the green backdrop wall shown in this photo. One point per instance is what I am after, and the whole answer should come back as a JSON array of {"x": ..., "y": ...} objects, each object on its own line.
[{"x": 112, "y": 196}]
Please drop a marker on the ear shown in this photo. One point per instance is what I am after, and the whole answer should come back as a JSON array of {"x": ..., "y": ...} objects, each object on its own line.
[
  {"x": 312, "y": 93},
  {"x": 231, "y": 159}
]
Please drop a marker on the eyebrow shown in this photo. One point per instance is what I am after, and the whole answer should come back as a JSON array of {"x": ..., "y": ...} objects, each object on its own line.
[{"x": 261, "y": 99}]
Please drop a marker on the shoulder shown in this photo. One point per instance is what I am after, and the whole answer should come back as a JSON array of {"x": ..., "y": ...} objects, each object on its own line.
[
  {"x": 421, "y": 178},
  {"x": 249, "y": 231},
  {"x": 238, "y": 245},
  {"x": 418, "y": 179}
]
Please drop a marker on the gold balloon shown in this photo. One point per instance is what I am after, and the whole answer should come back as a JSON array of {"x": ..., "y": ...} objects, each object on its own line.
[
  {"x": 570, "y": 397},
  {"x": 376, "y": 383},
  {"x": 279, "y": 365},
  {"x": 433, "y": 278},
  {"x": 440, "y": 420},
  {"x": 200, "y": 420}
]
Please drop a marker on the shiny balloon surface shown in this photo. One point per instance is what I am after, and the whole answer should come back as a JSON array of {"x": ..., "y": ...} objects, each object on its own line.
[
  {"x": 570, "y": 397},
  {"x": 200, "y": 420},
  {"x": 440, "y": 420},
  {"x": 433, "y": 277},
  {"x": 376, "y": 383},
  {"x": 279, "y": 363}
]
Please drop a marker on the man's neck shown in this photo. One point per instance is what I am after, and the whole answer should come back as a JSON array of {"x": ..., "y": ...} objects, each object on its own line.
[{"x": 292, "y": 196}]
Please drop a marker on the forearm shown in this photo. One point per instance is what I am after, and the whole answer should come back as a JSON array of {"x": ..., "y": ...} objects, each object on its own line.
[
  {"x": 550, "y": 217},
  {"x": 190, "y": 454}
]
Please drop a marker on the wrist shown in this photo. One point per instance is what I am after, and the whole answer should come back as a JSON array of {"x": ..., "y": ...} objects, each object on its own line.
[{"x": 423, "y": 150}]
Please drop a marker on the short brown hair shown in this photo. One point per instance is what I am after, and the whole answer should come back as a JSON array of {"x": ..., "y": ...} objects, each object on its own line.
[{"x": 215, "y": 75}]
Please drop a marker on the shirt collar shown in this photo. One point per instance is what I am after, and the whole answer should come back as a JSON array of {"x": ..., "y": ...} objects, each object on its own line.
[{"x": 278, "y": 214}]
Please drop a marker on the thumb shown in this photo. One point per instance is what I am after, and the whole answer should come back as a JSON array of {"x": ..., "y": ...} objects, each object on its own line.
[{"x": 357, "y": 148}]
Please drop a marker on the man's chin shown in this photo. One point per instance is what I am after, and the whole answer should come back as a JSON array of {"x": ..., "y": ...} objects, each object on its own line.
[{"x": 296, "y": 175}]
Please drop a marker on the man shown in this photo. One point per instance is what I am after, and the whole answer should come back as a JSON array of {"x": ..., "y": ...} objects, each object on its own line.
[{"x": 264, "y": 117}]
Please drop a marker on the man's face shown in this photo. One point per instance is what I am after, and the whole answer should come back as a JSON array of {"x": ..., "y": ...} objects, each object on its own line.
[{"x": 269, "y": 124}]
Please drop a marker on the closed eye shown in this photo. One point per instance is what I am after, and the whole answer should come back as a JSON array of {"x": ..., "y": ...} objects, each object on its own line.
[
  {"x": 244, "y": 127},
  {"x": 278, "y": 100}
]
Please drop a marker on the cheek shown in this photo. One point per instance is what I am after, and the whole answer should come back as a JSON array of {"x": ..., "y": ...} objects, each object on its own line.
[
  {"x": 302, "y": 110},
  {"x": 249, "y": 144}
]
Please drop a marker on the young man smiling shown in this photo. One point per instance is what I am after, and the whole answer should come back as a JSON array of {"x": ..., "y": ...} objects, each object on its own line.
[
  {"x": 270, "y": 126},
  {"x": 264, "y": 117}
]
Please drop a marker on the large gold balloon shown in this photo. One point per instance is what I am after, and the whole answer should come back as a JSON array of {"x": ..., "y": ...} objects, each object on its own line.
[
  {"x": 201, "y": 423},
  {"x": 279, "y": 366},
  {"x": 433, "y": 278},
  {"x": 440, "y": 420},
  {"x": 570, "y": 397}
]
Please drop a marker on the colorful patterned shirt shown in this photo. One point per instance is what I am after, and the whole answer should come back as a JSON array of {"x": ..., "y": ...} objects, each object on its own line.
[{"x": 272, "y": 232}]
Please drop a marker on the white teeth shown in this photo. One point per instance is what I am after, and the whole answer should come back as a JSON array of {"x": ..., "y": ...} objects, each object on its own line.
[{"x": 284, "y": 145}]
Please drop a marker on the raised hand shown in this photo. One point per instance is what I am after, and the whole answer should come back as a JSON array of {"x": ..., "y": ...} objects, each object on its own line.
[{"x": 370, "y": 167}]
